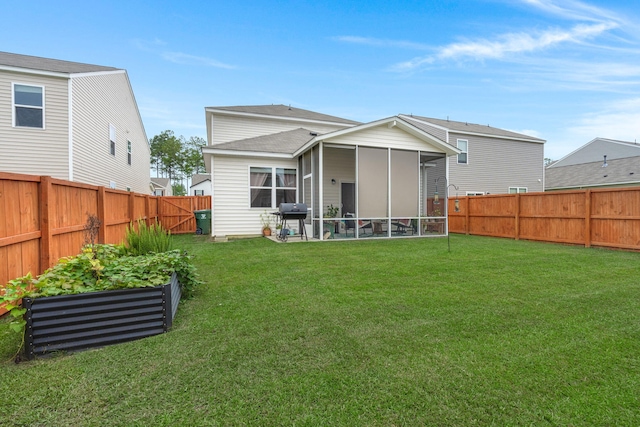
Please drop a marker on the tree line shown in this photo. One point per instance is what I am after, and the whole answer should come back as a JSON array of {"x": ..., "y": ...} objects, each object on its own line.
[{"x": 177, "y": 158}]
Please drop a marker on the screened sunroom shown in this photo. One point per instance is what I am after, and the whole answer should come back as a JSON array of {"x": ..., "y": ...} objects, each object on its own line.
[{"x": 385, "y": 179}]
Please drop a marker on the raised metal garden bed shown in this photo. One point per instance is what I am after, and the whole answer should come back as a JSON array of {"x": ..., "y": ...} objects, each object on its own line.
[{"x": 97, "y": 319}]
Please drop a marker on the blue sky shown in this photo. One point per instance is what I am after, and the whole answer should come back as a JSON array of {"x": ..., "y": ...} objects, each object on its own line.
[{"x": 563, "y": 70}]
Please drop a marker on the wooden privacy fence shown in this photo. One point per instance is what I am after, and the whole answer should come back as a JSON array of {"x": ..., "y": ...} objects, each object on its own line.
[
  {"x": 42, "y": 219},
  {"x": 603, "y": 217}
]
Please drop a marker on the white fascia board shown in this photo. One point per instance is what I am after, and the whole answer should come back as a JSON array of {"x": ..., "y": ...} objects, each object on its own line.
[
  {"x": 235, "y": 153},
  {"x": 419, "y": 133},
  {"x": 32, "y": 71},
  {"x": 97, "y": 73},
  {"x": 267, "y": 116},
  {"x": 424, "y": 122}
]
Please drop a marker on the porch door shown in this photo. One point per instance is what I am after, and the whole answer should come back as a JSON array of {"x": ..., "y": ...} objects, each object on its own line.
[{"x": 348, "y": 197}]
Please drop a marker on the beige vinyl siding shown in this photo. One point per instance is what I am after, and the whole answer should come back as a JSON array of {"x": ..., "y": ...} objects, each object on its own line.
[
  {"x": 384, "y": 137},
  {"x": 29, "y": 150},
  {"x": 99, "y": 100},
  {"x": 339, "y": 164},
  {"x": 232, "y": 213},
  {"x": 495, "y": 164},
  {"x": 228, "y": 128}
]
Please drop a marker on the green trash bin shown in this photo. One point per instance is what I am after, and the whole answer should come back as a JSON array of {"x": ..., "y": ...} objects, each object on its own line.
[{"x": 203, "y": 221}]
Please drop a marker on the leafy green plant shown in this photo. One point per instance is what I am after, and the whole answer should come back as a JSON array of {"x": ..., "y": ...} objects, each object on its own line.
[
  {"x": 143, "y": 239},
  {"x": 265, "y": 220},
  {"x": 332, "y": 211},
  {"x": 100, "y": 268}
]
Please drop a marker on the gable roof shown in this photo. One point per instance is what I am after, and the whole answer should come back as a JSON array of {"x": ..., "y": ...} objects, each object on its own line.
[
  {"x": 14, "y": 60},
  {"x": 625, "y": 171},
  {"x": 596, "y": 149},
  {"x": 160, "y": 182},
  {"x": 199, "y": 178},
  {"x": 474, "y": 129},
  {"x": 282, "y": 111},
  {"x": 286, "y": 142}
]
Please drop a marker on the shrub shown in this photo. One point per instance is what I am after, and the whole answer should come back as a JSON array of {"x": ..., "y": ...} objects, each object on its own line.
[{"x": 143, "y": 239}]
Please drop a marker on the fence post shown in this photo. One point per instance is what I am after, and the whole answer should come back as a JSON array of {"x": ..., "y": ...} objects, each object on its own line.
[
  {"x": 517, "y": 230},
  {"x": 467, "y": 227},
  {"x": 102, "y": 216},
  {"x": 147, "y": 209},
  {"x": 46, "y": 216},
  {"x": 587, "y": 219},
  {"x": 132, "y": 207}
]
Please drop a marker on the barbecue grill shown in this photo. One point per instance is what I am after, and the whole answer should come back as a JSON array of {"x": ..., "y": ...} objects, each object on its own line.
[{"x": 293, "y": 211}]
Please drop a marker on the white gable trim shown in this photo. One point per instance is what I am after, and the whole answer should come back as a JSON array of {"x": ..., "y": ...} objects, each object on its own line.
[{"x": 219, "y": 152}]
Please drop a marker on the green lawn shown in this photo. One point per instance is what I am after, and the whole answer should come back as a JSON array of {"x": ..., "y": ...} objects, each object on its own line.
[{"x": 372, "y": 333}]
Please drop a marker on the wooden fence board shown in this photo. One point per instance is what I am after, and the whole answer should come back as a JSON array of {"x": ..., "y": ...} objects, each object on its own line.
[{"x": 42, "y": 219}]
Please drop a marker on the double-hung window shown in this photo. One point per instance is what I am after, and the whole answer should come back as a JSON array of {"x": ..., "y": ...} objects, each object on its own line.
[
  {"x": 269, "y": 186},
  {"x": 128, "y": 152},
  {"x": 112, "y": 140},
  {"x": 28, "y": 106},
  {"x": 463, "y": 157}
]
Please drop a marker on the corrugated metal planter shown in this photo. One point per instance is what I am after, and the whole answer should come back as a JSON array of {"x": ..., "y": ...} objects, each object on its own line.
[{"x": 96, "y": 319}]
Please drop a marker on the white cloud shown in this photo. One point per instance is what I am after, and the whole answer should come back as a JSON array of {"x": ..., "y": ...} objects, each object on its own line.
[
  {"x": 508, "y": 44},
  {"x": 573, "y": 10},
  {"x": 186, "y": 59},
  {"x": 617, "y": 120}
]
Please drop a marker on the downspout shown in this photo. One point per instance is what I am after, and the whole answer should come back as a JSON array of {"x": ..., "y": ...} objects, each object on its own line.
[
  {"x": 70, "y": 112},
  {"x": 213, "y": 222}
]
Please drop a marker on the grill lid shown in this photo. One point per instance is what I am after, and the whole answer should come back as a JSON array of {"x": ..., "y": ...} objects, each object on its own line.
[{"x": 293, "y": 210}]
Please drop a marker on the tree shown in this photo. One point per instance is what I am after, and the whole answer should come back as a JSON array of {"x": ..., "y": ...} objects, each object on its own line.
[
  {"x": 178, "y": 190},
  {"x": 167, "y": 154},
  {"x": 548, "y": 161}
]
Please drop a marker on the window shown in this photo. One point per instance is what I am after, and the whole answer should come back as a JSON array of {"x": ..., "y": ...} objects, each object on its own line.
[
  {"x": 28, "y": 106},
  {"x": 463, "y": 145},
  {"x": 129, "y": 152},
  {"x": 514, "y": 190},
  {"x": 475, "y": 193},
  {"x": 267, "y": 192},
  {"x": 112, "y": 140},
  {"x": 128, "y": 188},
  {"x": 158, "y": 193},
  {"x": 198, "y": 192}
]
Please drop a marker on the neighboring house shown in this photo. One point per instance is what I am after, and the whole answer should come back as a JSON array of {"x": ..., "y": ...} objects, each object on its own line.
[
  {"x": 390, "y": 175},
  {"x": 200, "y": 185},
  {"x": 71, "y": 121},
  {"x": 161, "y": 187},
  {"x": 492, "y": 160},
  {"x": 599, "y": 163}
]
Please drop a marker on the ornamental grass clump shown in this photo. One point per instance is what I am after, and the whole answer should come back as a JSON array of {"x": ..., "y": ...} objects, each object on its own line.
[{"x": 144, "y": 239}]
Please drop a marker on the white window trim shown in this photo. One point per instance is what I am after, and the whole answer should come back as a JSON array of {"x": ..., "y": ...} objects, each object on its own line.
[
  {"x": 474, "y": 193},
  {"x": 195, "y": 192},
  {"x": 112, "y": 127},
  {"x": 13, "y": 105},
  {"x": 129, "y": 155},
  {"x": 464, "y": 152},
  {"x": 273, "y": 187}
]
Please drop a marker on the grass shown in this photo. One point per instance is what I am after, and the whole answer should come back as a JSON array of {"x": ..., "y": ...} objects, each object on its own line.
[{"x": 375, "y": 333}]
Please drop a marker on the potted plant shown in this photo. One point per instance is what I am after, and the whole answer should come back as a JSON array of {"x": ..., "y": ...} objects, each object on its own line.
[
  {"x": 332, "y": 212},
  {"x": 265, "y": 219}
]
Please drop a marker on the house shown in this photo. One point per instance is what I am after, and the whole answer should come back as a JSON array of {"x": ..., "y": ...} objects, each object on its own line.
[
  {"x": 386, "y": 178},
  {"x": 161, "y": 187},
  {"x": 72, "y": 121},
  {"x": 599, "y": 163},
  {"x": 200, "y": 185}
]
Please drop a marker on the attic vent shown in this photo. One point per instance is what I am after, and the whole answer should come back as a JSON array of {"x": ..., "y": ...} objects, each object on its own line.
[{"x": 313, "y": 133}]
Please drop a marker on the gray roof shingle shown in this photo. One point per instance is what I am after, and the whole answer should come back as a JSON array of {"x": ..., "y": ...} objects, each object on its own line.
[
  {"x": 474, "y": 128},
  {"x": 282, "y": 142},
  {"x": 199, "y": 177},
  {"x": 50, "y": 65},
  {"x": 618, "y": 171},
  {"x": 286, "y": 111}
]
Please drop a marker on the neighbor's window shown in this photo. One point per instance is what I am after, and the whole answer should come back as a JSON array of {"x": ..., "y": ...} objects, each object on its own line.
[
  {"x": 514, "y": 190},
  {"x": 158, "y": 193},
  {"x": 112, "y": 140},
  {"x": 28, "y": 106},
  {"x": 198, "y": 192},
  {"x": 267, "y": 192},
  {"x": 463, "y": 145},
  {"x": 129, "y": 152},
  {"x": 475, "y": 193}
]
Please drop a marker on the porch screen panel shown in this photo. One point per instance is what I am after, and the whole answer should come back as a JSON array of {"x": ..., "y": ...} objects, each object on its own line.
[
  {"x": 372, "y": 183},
  {"x": 404, "y": 183}
]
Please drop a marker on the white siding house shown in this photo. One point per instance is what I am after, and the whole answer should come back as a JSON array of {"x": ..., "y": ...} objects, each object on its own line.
[
  {"x": 72, "y": 121},
  {"x": 387, "y": 178},
  {"x": 200, "y": 185}
]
